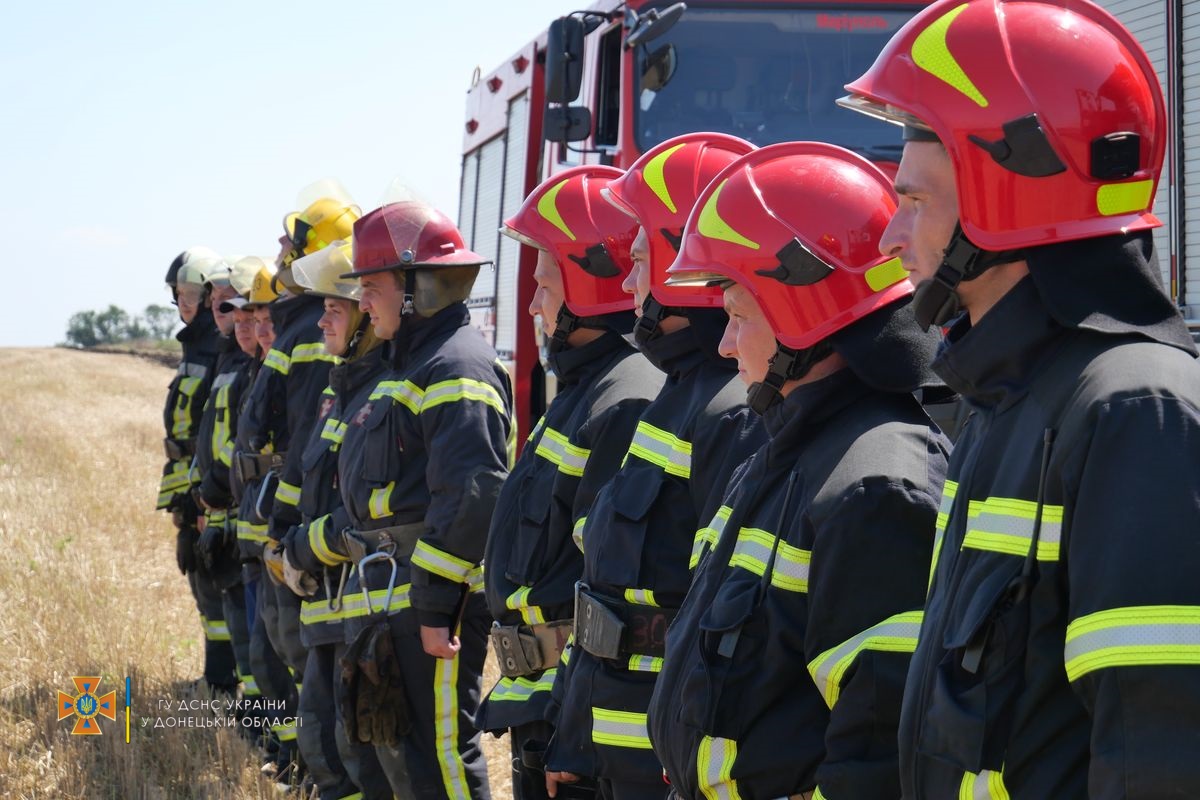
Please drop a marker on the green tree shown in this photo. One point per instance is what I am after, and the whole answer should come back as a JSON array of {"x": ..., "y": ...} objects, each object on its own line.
[{"x": 160, "y": 321}]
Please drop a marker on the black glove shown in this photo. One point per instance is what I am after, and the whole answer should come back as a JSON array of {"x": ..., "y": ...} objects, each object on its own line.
[
  {"x": 217, "y": 546},
  {"x": 376, "y": 709},
  {"x": 185, "y": 549}
]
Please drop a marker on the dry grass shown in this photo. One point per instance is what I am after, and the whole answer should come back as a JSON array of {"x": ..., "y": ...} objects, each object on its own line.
[{"x": 89, "y": 587}]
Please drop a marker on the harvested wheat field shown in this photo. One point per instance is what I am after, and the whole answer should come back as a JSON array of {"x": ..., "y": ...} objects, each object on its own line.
[{"x": 90, "y": 588}]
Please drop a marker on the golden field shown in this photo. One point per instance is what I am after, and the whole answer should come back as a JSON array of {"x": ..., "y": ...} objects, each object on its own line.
[{"x": 90, "y": 587}]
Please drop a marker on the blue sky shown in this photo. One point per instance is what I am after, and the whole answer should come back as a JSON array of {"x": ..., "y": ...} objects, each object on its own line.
[{"x": 135, "y": 129}]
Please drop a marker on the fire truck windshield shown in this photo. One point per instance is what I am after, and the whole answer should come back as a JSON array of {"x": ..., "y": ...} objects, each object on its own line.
[{"x": 767, "y": 74}]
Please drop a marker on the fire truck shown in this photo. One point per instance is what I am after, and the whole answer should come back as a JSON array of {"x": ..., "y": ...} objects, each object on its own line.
[{"x": 605, "y": 84}]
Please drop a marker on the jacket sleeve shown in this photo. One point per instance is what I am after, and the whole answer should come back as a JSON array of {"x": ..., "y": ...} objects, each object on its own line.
[
  {"x": 317, "y": 544},
  {"x": 868, "y": 576},
  {"x": 466, "y": 425},
  {"x": 606, "y": 437},
  {"x": 185, "y": 407},
  {"x": 1133, "y": 558}
]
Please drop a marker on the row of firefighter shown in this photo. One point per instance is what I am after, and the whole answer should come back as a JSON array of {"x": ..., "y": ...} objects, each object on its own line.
[{"x": 736, "y": 557}]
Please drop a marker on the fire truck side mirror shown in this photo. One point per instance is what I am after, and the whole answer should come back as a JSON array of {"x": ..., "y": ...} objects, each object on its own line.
[
  {"x": 564, "y": 59},
  {"x": 652, "y": 24},
  {"x": 567, "y": 123}
]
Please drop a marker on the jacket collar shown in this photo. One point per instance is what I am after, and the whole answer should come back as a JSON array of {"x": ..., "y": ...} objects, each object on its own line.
[
  {"x": 415, "y": 332},
  {"x": 287, "y": 309},
  {"x": 201, "y": 325},
  {"x": 674, "y": 353},
  {"x": 993, "y": 363},
  {"x": 808, "y": 406},
  {"x": 347, "y": 377},
  {"x": 575, "y": 364}
]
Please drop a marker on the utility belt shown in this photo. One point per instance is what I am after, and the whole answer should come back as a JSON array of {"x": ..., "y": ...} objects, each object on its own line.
[
  {"x": 614, "y": 629},
  {"x": 252, "y": 466},
  {"x": 525, "y": 649},
  {"x": 397, "y": 541},
  {"x": 179, "y": 449}
]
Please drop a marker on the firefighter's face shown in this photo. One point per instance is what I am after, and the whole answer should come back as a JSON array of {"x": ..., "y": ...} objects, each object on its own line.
[
  {"x": 748, "y": 336},
  {"x": 637, "y": 282},
  {"x": 382, "y": 300},
  {"x": 335, "y": 324},
  {"x": 189, "y": 299},
  {"x": 243, "y": 330},
  {"x": 224, "y": 319},
  {"x": 264, "y": 328},
  {"x": 548, "y": 298},
  {"x": 923, "y": 224}
]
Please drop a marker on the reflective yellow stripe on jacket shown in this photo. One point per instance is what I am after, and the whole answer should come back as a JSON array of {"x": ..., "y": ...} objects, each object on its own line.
[
  {"x": 519, "y": 601},
  {"x": 986, "y": 785},
  {"x": 619, "y": 728},
  {"x": 753, "y": 551},
  {"x": 663, "y": 449},
  {"x": 439, "y": 562},
  {"x": 708, "y": 537},
  {"x": 949, "y": 491},
  {"x": 714, "y": 769},
  {"x": 896, "y": 634},
  {"x": 556, "y": 448},
  {"x": 1131, "y": 637},
  {"x": 1005, "y": 525}
]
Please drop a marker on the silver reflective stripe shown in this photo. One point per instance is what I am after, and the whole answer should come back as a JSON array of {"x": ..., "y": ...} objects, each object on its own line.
[
  {"x": 556, "y": 448},
  {"x": 620, "y": 728},
  {"x": 192, "y": 370},
  {"x": 665, "y": 449},
  {"x": 986, "y": 785},
  {"x": 710, "y": 535},
  {"x": 714, "y": 768},
  {"x": 518, "y": 690},
  {"x": 1005, "y": 525},
  {"x": 896, "y": 634},
  {"x": 753, "y": 551},
  {"x": 223, "y": 380},
  {"x": 949, "y": 491},
  {"x": 1133, "y": 636}
]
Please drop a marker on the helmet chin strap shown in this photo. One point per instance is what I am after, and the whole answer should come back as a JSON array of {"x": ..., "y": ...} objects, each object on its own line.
[
  {"x": 566, "y": 322},
  {"x": 356, "y": 337},
  {"x": 788, "y": 364},
  {"x": 649, "y": 323},
  {"x": 936, "y": 301}
]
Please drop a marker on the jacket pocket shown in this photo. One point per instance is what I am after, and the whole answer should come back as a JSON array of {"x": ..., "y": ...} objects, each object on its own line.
[
  {"x": 619, "y": 549},
  {"x": 530, "y": 549},
  {"x": 978, "y": 681},
  {"x": 727, "y": 646},
  {"x": 381, "y": 448}
]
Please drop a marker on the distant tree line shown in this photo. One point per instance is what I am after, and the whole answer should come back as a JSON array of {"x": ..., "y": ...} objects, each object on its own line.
[{"x": 115, "y": 325}]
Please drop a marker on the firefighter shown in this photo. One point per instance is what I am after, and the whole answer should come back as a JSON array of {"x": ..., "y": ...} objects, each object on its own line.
[
  {"x": 282, "y": 405},
  {"x": 254, "y": 278},
  {"x": 419, "y": 468},
  {"x": 217, "y": 491},
  {"x": 582, "y": 247},
  {"x": 189, "y": 280},
  {"x": 1057, "y": 657},
  {"x": 637, "y": 537},
  {"x": 339, "y": 768},
  {"x": 785, "y": 665}
]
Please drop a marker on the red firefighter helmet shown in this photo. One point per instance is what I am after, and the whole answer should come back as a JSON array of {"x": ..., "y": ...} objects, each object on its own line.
[
  {"x": 588, "y": 238},
  {"x": 1049, "y": 109},
  {"x": 408, "y": 235},
  {"x": 798, "y": 224},
  {"x": 659, "y": 191}
]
